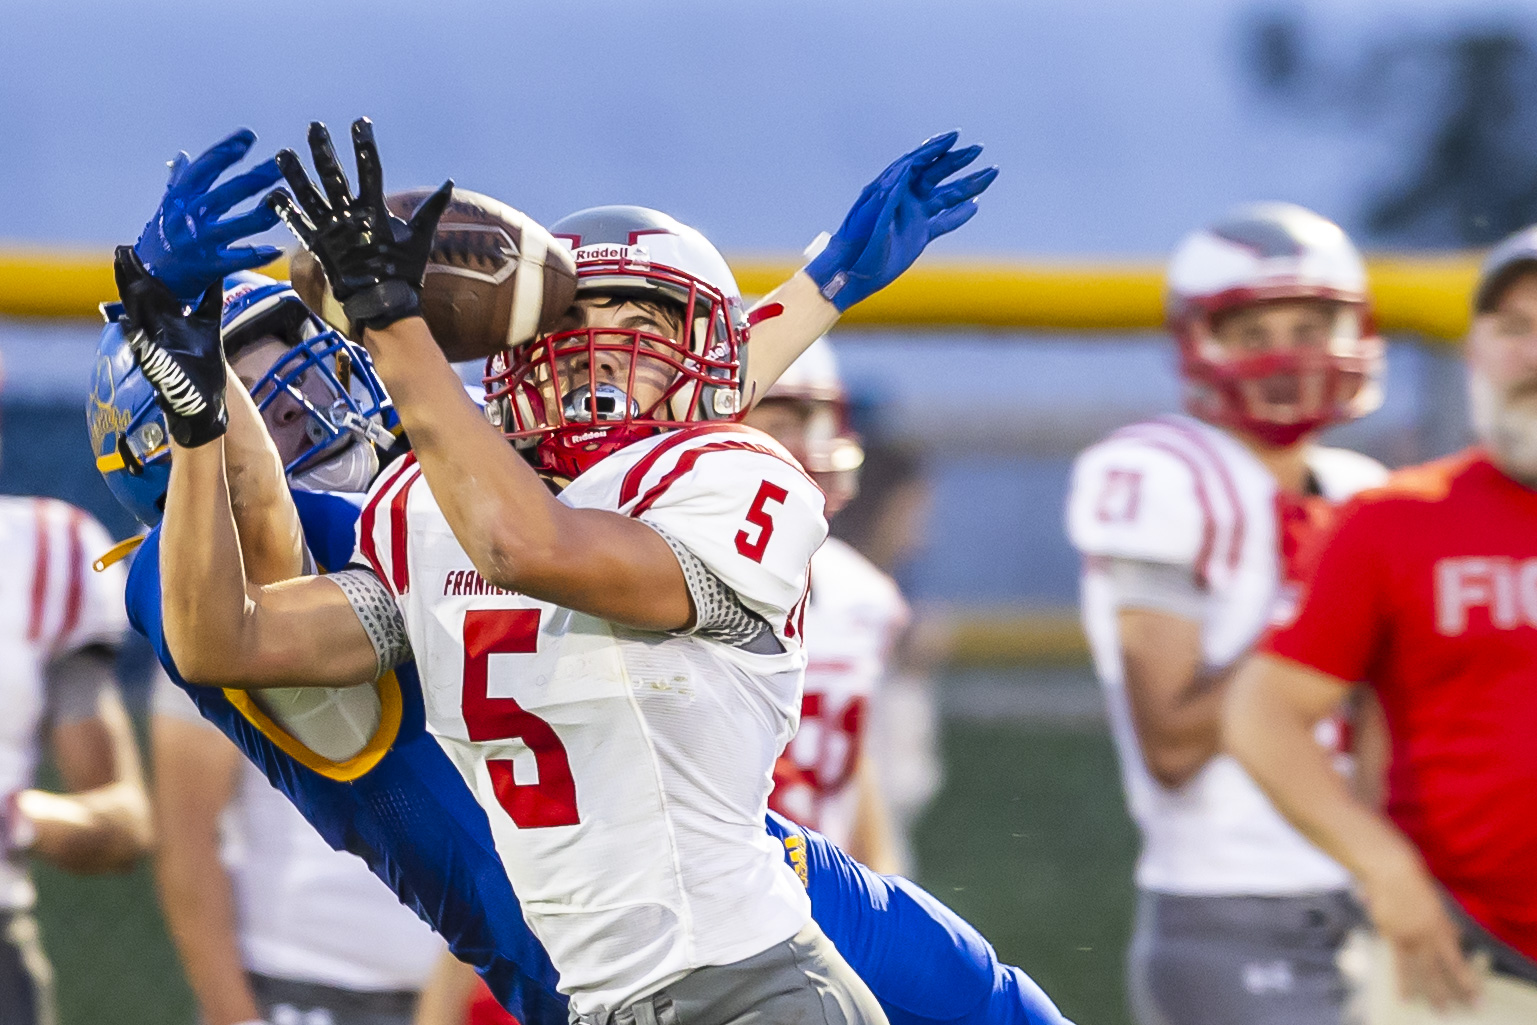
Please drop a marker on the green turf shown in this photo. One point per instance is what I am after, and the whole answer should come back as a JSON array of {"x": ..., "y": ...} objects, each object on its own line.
[{"x": 1028, "y": 840}]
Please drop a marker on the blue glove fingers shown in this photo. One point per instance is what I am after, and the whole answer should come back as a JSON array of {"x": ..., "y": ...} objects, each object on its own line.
[
  {"x": 178, "y": 167},
  {"x": 951, "y": 219},
  {"x": 929, "y": 150},
  {"x": 240, "y": 188},
  {"x": 942, "y": 168},
  {"x": 232, "y": 229},
  {"x": 969, "y": 187},
  {"x": 217, "y": 159},
  {"x": 247, "y": 257}
]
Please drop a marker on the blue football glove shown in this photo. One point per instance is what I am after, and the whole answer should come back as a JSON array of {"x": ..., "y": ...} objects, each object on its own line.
[
  {"x": 185, "y": 244},
  {"x": 895, "y": 217}
]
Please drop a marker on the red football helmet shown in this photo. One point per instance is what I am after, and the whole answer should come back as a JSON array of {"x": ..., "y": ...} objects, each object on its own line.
[
  {"x": 1273, "y": 252},
  {"x": 624, "y": 252}
]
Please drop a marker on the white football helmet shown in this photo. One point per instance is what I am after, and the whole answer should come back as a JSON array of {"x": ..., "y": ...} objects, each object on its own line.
[
  {"x": 637, "y": 252},
  {"x": 832, "y": 451},
  {"x": 1272, "y": 252}
]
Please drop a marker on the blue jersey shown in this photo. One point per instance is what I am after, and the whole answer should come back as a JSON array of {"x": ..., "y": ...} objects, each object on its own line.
[{"x": 408, "y": 814}]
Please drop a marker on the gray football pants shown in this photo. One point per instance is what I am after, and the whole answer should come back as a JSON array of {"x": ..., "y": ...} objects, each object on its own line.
[
  {"x": 1239, "y": 960},
  {"x": 286, "y": 1002},
  {"x": 802, "y": 981}
]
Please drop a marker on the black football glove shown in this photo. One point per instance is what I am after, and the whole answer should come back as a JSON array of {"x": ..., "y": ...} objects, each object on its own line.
[
  {"x": 180, "y": 352},
  {"x": 373, "y": 260}
]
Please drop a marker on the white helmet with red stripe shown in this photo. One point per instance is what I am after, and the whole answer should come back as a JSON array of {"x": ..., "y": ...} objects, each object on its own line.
[
  {"x": 635, "y": 252},
  {"x": 828, "y": 445},
  {"x": 1269, "y": 253}
]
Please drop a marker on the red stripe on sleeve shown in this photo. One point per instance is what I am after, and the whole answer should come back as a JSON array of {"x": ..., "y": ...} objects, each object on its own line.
[
  {"x": 39, "y": 573},
  {"x": 631, "y": 486},
  {"x": 366, "y": 542},
  {"x": 686, "y": 463},
  {"x": 1235, "y": 549},
  {"x": 399, "y": 567},
  {"x": 76, "y": 593}
]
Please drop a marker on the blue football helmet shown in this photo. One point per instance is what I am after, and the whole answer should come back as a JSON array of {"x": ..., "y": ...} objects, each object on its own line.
[{"x": 322, "y": 394}]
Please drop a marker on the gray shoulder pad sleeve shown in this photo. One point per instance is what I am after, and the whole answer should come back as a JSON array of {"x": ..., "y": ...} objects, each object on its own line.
[
  {"x": 1160, "y": 586},
  {"x": 380, "y": 616},
  {"x": 718, "y": 612}
]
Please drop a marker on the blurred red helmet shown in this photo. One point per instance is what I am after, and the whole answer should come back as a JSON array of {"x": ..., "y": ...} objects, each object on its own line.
[
  {"x": 1268, "y": 253},
  {"x": 641, "y": 254},
  {"x": 833, "y": 453}
]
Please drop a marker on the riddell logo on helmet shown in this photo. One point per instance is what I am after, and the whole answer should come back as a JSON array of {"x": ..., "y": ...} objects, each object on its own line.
[
  {"x": 235, "y": 294},
  {"x": 613, "y": 251}
]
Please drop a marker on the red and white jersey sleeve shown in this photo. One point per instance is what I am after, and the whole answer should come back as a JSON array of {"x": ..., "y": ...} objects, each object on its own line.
[
  {"x": 1140, "y": 495},
  {"x": 56, "y": 604},
  {"x": 625, "y": 774},
  {"x": 736, "y": 499}
]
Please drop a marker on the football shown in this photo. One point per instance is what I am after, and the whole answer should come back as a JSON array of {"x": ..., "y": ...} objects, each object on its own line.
[{"x": 496, "y": 277}]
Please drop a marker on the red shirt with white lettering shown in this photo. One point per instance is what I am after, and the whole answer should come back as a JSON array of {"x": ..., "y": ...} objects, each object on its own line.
[{"x": 1428, "y": 591}]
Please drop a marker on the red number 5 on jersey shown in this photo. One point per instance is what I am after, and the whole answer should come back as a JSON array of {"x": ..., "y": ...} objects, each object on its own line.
[
  {"x": 758, "y": 516},
  {"x": 552, "y": 800}
]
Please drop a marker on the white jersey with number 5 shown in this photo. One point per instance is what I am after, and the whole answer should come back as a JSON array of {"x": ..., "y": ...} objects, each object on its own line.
[
  {"x": 1180, "y": 492},
  {"x": 625, "y": 774}
]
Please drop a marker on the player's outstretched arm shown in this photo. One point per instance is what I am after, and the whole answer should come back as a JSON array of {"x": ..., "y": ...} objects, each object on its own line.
[
  {"x": 516, "y": 533},
  {"x": 1270, "y": 719},
  {"x": 266, "y": 520},
  {"x": 906, "y": 207},
  {"x": 220, "y": 628}
]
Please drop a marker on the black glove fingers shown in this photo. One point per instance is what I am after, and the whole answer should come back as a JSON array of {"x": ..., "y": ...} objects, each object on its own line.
[
  {"x": 329, "y": 169},
  {"x": 370, "y": 170},
  {"x": 304, "y": 192},
  {"x": 210, "y": 310},
  {"x": 424, "y": 223},
  {"x": 284, "y": 205}
]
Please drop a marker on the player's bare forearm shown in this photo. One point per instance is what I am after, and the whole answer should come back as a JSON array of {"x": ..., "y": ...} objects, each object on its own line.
[
  {"x": 779, "y": 339},
  {"x": 513, "y": 529},
  {"x": 196, "y": 771},
  {"x": 103, "y": 823},
  {"x": 1269, "y": 719},
  {"x": 223, "y": 630},
  {"x": 271, "y": 538},
  {"x": 872, "y": 841},
  {"x": 1176, "y": 701}
]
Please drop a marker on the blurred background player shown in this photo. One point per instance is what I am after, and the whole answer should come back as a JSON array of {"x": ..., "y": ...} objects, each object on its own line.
[
  {"x": 1191, "y": 529},
  {"x": 1428, "y": 592},
  {"x": 271, "y": 923},
  {"x": 62, "y": 625},
  {"x": 827, "y": 777}
]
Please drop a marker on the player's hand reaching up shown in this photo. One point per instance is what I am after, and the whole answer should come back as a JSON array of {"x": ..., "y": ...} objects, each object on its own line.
[
  {"x": 187, "y": 243},
  {"x": 373, "y": 260},
  {"x": 896, "y": 216},
  {"x": 179, "y": 351}
]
